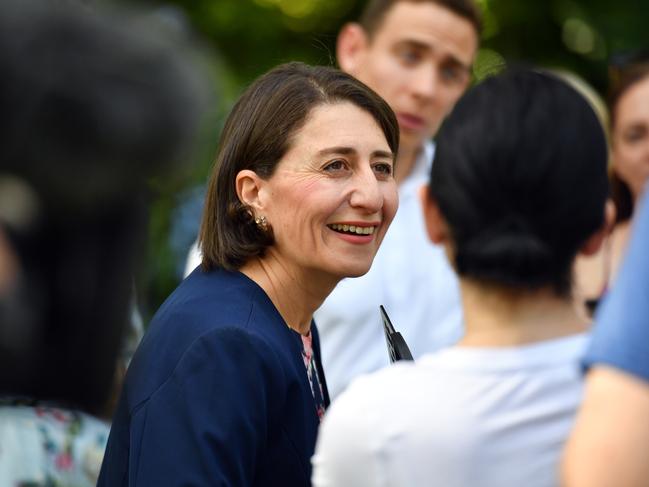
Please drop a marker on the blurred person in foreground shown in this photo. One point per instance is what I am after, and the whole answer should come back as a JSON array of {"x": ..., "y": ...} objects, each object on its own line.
[
  {"x": 513, "y": 208},
  {"x": 609, "y": 444},
  {"x": 417, "y": 55},
  {"x": 227, "y": 387},
  {"x": 93, "y": 105},
  {"x": 629, "y": 128}
]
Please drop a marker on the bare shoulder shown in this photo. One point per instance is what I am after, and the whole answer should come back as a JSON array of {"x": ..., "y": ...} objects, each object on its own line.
[{"x": 611, "y": 437}]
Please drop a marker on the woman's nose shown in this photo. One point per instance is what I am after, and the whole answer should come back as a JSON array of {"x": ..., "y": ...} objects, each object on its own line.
[{"x": 366, "y": 193}]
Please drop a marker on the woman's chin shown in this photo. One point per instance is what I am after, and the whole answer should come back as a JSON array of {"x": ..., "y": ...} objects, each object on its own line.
[
  {"x": 349, "y": 268},
  {"x": 356, "y": 271}
]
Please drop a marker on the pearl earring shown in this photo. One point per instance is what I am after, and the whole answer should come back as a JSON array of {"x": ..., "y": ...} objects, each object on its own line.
[{"x": 261, "y": 222}]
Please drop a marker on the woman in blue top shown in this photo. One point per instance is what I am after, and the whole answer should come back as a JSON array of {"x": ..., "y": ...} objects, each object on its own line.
[{"x": 227, "y": 387}]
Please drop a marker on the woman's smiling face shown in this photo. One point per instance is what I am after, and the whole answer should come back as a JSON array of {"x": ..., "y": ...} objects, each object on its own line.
[
  {"x": 332, "y": 196},
  {"x": 631, "y": 137}
]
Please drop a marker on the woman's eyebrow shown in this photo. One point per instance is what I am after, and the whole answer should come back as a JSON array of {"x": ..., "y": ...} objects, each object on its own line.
[
  {"x": 337, "y": 150},
  {"x": 383, "y": 153},
  {"x": 351, "y": 151}
]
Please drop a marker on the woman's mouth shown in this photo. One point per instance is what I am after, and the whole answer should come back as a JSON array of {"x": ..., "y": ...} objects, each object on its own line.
[{"x": 352, "y": 229}]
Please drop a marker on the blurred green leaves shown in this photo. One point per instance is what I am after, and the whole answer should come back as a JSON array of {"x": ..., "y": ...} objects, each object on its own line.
[{"x": 577, "y": 35}]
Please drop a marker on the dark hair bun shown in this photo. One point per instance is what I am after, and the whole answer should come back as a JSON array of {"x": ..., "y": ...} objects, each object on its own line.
[
  {"x": 520, "y": 178},
  {"x": 508, "y": 252}
]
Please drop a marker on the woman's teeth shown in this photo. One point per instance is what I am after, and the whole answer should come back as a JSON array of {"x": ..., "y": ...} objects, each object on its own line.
[{"x": 352, "y": 229}]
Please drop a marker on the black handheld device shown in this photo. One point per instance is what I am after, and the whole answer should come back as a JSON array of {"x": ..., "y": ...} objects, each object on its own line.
[{"x": 397, "y": 346}]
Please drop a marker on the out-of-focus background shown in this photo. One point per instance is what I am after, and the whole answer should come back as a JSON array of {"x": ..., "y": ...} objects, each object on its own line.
[{"x": 244, "y": 38}]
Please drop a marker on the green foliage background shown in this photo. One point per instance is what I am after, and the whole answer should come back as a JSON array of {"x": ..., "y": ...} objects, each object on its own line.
[{"x": 247, "y": 37}]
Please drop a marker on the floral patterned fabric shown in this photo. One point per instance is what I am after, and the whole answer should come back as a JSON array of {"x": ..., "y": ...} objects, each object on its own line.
[
  {"x": 49, "y": 447},
  {"x": 312, "y": 374}
]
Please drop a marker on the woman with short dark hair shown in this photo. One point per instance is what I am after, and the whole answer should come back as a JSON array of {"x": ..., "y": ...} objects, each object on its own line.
[
  {"x": 227, "y": 386},
  {"x": 518, "y": 189}
]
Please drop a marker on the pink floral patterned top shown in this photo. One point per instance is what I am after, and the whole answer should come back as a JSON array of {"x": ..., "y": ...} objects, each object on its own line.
[
  {"x": 49, "y": 447},
  {"x": 312, "y": 374}
]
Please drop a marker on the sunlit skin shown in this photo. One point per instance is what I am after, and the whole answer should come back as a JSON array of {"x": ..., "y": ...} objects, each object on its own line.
[
  {"x": 609, "y": 442},
  {"x": 631, "y": 137},
  {"x": 419, "y": 61},
  {"x": 337, "y": 171}
]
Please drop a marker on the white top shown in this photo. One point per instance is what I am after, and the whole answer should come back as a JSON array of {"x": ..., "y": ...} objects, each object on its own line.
[
  {"x": 463, "y": 417},
  {"x": 411, "y": 277},
  {"x": 194, "y": 258}
]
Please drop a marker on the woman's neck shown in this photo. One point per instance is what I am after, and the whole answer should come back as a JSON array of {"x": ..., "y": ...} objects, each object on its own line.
[
  {"x": 495, "y": 317},
  {"x": 296, "y": 295}
]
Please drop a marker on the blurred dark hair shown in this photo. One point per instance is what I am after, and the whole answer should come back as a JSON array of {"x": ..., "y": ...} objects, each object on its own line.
[
  {"x": 376, "y": 10},
  {"x": 256, "y": 136},
  {"x": 93, "y": 105},
  {"x": 625, "y": 70},
  {"x": 517, "y": 185}
]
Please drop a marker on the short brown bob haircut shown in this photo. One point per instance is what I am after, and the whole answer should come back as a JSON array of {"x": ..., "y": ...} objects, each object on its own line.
[
  {"x": 256, "y": 135},
  {"x": 376, "y": 10}
]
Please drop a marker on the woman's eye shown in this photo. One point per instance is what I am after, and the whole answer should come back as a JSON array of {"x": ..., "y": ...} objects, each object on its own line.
[
  {"x": 336, "y": 165},
  {"x": 383, "y": 168}
]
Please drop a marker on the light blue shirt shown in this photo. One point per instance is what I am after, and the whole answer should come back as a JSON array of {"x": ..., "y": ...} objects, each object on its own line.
[{"x": 621, "y": 336}]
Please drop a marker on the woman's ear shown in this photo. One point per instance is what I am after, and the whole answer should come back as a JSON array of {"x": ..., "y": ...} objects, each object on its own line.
[
  {"x": 249, "y": 186},
  {"x": 435, "y": 223},
  {"x": 351, "y": 45},
  {"x": 596, "y": 240}
]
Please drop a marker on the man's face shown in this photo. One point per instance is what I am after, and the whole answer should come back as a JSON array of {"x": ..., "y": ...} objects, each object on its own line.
[{"x": 419, "y": 61}]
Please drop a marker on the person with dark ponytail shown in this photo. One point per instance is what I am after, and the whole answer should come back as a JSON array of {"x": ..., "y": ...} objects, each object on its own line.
[{"x": 518, "y": 189}]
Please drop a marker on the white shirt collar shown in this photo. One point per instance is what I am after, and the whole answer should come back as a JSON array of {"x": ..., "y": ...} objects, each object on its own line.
[{"x": 420, "y": 171}]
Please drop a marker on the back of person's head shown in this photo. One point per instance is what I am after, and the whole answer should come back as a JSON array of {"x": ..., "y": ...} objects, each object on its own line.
[
  {"x": 375, "y": 11},
  {"x": 257, "y": 134},
  {"x": 93, "y": 106},
  {"x": 520, "y": 178}
]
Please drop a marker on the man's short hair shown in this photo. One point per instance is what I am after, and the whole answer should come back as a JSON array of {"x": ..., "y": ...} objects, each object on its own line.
[{"x": 375, "y": 12}]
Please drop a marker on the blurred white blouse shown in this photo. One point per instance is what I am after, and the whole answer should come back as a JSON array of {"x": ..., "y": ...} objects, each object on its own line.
[{"x": 462, "y": 417}]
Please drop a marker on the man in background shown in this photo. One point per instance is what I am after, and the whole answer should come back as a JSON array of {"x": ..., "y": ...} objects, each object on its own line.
[{"x": 416, "y": 54}]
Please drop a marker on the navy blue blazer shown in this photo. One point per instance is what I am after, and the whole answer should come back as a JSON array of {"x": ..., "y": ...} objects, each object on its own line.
[{"x": 216, "y": 395}]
